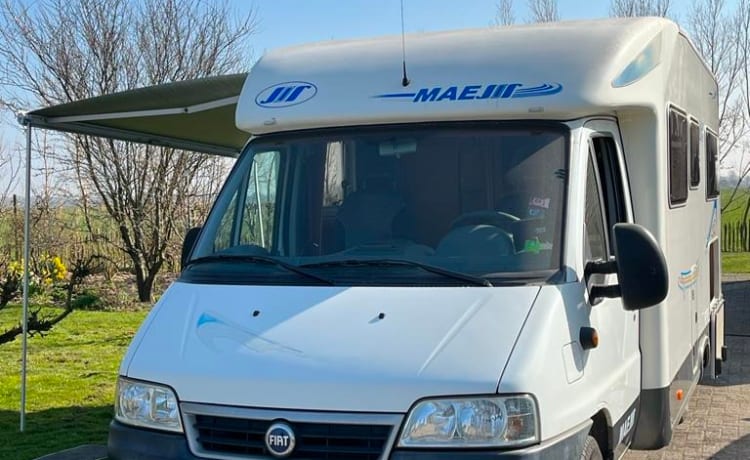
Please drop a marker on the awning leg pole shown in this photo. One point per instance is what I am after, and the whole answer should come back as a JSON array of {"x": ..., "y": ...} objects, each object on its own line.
[{"x": 26, "y": 251}]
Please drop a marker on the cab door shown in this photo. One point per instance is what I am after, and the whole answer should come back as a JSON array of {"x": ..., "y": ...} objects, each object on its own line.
[{"x": 607, "y": 202}]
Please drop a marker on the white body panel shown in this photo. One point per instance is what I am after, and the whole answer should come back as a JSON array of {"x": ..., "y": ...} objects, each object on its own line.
[
  {"x": 350, "y": 78},
  {"x": 326, "y": 348},
  {"x": 575, "y": 388}
]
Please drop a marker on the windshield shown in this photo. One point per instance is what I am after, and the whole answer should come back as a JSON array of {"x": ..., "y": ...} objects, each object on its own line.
[{"x": 484, "y": 200}]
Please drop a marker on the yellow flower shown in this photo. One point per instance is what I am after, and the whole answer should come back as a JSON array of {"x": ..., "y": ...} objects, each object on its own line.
[
  {"x": 59, "y": 270},
  {"x": 16, "y": 268}
]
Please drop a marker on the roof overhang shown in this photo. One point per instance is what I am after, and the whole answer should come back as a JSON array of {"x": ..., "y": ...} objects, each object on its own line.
[{"x": 196, "y": 115}]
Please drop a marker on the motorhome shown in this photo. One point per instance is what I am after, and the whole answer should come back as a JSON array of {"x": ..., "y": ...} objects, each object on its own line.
[{"x": 494, "y": 243}]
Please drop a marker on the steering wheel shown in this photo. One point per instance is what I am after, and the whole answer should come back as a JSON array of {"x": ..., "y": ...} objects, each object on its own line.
[{"x": 485, "y": 217}]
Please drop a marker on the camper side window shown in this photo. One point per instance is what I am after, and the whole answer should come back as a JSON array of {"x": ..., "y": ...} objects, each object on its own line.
[
  {"x": 695, "y": 158},
  {"x": 712, "y": 158},
  {"x": 596, "y": 237},
  {"x": 678, "y": 157}
]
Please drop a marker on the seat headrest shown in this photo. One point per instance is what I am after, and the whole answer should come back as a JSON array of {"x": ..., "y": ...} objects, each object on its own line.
[{"x": 368, "y": 216}]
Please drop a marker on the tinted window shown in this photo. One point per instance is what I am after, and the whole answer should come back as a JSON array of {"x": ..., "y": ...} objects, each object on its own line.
[
  {"x": 678, "y": 158},
  {"x": 695, "y": 157},
  {"x": 595, "y": 234},
  {"x": 712, "y": 159}
]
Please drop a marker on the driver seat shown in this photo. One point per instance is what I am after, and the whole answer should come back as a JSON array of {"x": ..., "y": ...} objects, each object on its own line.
[{"x": 367, "y": 216}]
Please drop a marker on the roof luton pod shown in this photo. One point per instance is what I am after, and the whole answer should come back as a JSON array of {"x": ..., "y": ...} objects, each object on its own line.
[{"x": 513, "y": 256}]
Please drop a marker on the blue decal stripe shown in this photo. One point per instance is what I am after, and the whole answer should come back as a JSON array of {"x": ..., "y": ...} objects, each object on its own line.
[
  {"x": 395, "y": 95},
  {"x": 536, "y": 89},
  {"x": 543, "y": 90},
  {"x": 205, "y": 318}
]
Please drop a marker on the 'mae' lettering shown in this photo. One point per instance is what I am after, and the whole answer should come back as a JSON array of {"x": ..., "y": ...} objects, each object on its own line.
[{"x": 466, "y": 93}]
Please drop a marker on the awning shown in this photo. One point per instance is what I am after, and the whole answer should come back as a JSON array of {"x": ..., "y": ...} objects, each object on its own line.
[{"x": 195, "y": 115}]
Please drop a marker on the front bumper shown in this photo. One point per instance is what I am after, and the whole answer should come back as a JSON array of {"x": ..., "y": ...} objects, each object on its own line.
[{"x": 130, "y": 443}]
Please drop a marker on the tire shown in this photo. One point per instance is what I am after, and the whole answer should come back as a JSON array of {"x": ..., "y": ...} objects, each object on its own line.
[{"x": 591, "y": 450}]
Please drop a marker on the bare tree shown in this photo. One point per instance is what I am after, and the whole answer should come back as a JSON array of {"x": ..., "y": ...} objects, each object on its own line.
[
  {"x": 543, "y": 10},
  {"x": 632, "y": 8},
  {"x": 504, "y": 15},
  {"x": 58, "y": 51},
  {"x": 722, "y": 37},
  {"x": 9, "y": 168}
]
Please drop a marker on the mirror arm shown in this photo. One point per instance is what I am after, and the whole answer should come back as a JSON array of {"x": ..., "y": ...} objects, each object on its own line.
[
  {"x": 600, "y": 267},
  {"x": 598, "y": 292}
]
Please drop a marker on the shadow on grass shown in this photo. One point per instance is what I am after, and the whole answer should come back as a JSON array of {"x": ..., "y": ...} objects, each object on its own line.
[{"x": 52, "y": 430}]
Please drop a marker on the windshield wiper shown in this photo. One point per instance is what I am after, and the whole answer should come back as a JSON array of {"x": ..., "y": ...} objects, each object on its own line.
[
  {"x": 475, "y": 280},
  {"x": 255, "y": 259}
]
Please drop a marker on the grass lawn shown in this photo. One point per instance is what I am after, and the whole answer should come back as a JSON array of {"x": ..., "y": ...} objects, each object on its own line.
[
  {"x": 735, "y": 262},
  {"x": 71, "y": 378}
]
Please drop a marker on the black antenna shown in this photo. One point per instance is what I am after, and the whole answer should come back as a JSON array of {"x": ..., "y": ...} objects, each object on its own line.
[{"x": 405, "y": 80}]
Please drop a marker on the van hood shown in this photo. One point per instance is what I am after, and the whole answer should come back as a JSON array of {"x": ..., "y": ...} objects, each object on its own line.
[{"x": 373, "y": 349}]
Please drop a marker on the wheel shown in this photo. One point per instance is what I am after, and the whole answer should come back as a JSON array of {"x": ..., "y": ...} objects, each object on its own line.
[{"x": 591, "y": 450}]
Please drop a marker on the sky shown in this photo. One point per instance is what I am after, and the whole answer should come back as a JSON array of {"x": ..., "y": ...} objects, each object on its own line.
[{"x": 291, "y": 22}]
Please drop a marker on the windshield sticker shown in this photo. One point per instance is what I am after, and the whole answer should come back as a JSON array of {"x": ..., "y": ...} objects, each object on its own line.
[
  {"x": 540, "y": 202},
  {"x": 475, "y": 92},
  {"x": 536, "y": 212},
  {"x": 286, "y": 94},
  {"x": 532, "y": 246}
]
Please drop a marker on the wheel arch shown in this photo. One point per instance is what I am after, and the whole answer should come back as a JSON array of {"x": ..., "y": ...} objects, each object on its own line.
[{"x": 601, "y": 430}]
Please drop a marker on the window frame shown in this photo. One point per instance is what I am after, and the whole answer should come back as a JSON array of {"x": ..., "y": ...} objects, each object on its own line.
[
  {"x": 675, "y": 202},
  {"x": 709, "y": 133}
]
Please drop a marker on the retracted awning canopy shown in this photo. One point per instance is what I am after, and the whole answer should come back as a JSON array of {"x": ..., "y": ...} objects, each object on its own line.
[{"x": 197, "y": 115}]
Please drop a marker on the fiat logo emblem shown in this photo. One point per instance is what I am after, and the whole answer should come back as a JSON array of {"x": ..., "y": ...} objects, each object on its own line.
[{"x": 280, "y": 440}]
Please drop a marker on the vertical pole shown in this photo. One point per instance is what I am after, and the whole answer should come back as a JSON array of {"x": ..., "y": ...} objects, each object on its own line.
[{"x": 26, "y": 245}]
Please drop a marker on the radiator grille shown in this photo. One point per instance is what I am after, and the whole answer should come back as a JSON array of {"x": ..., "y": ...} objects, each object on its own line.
[{"x": 314, "y": 441}]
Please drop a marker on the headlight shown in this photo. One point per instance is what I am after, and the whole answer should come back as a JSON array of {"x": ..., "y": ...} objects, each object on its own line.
[
  {"x": 509, "y": 421},
  {"x": 147, "y": 405}
]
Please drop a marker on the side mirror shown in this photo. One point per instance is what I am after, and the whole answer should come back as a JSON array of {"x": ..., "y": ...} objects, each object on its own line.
[
  {"x": 640, "y": 267},
  {"x": 187, "y": 245}
]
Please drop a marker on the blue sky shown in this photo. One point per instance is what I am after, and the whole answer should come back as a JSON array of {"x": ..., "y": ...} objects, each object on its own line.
[{"x": 290, "y": 22}]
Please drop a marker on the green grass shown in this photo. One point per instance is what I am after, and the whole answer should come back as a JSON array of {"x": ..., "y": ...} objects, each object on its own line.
[
  {"x": 71, "y": 377},
  {"x": 735, "y": 262}
]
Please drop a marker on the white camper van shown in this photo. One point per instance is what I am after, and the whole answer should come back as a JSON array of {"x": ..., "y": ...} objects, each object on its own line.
[{"x": 506, "y": 248}]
